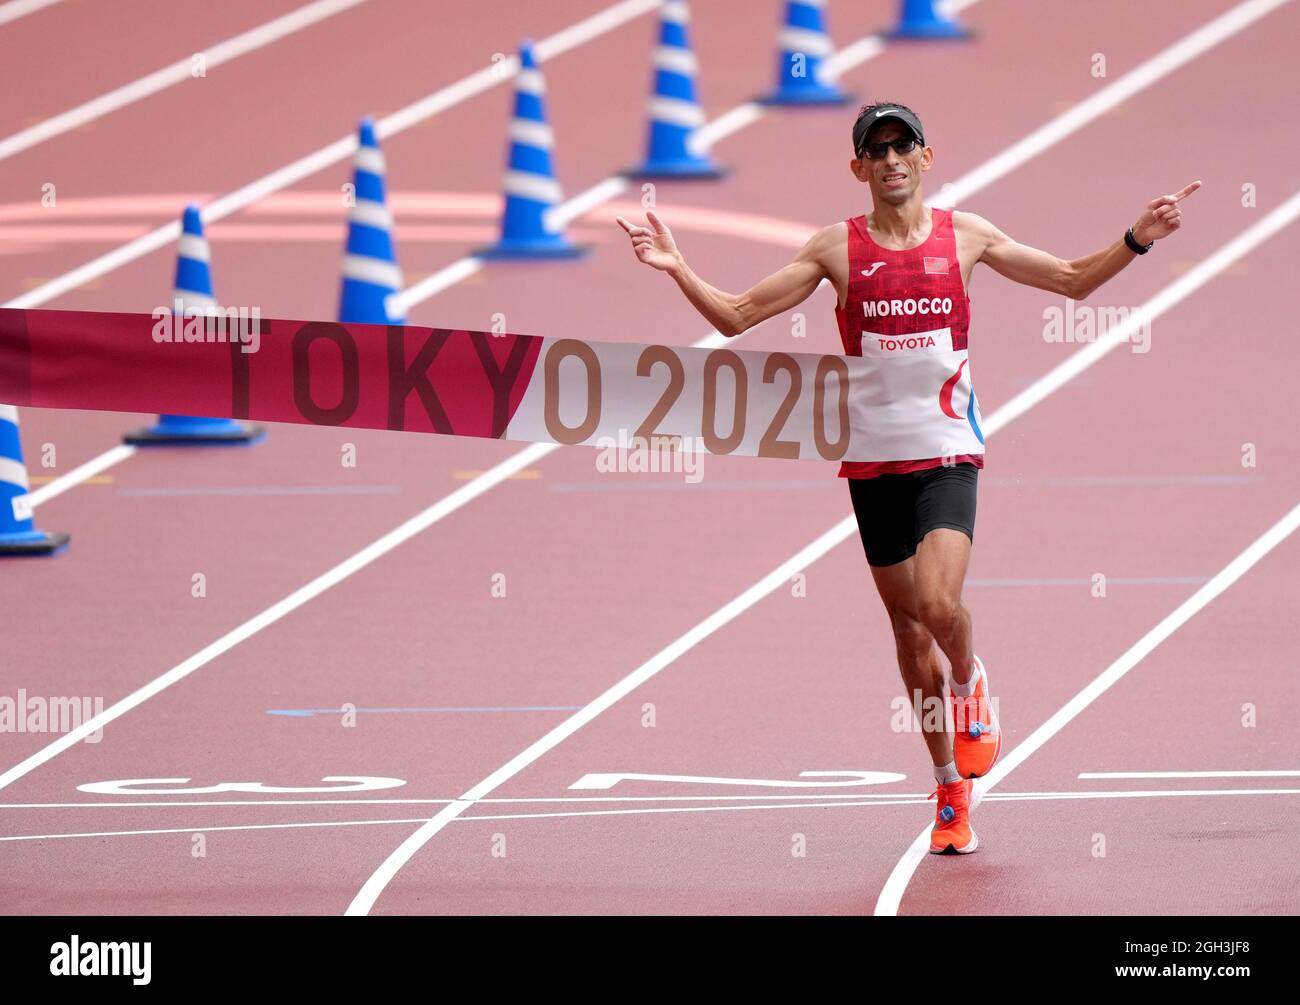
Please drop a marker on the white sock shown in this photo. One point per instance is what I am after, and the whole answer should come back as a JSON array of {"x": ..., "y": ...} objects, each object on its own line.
[
  {"x": 967, "y": 689},
  {"x": 946, "y": 773}
]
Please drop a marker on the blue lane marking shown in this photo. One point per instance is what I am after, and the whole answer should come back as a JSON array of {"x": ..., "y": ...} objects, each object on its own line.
[{"x": 306, "y": 712}]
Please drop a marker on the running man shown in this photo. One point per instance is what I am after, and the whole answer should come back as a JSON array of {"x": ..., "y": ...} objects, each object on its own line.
[{"x": 902, "y": 272}]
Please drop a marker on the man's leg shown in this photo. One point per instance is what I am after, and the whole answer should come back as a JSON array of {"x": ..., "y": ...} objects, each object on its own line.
[
  {"x": 946, "y": 522},
  {"x": 887, "y": 509},
  {"x": 918, "y": 661},
  {"x": 941, "y": 561},
  {"x": 946, "y": 527}
]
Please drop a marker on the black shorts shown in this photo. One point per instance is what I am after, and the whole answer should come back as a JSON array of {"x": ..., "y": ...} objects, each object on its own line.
[{"x": 896, "y": 511}]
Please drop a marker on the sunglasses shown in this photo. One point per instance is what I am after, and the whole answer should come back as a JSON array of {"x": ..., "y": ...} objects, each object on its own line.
[{"x": 902, "y": 145}]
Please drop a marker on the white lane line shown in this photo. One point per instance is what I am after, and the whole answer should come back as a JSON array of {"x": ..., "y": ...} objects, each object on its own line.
[
  {"x": 896, "y": 801},
  {"x": 453, "y": 94},
  {"x": 177, "y": 72},
  {"x": 1036, "y": 392},
  {"x": 168, "y": 804},
  {"x": 15, "y": 9},
  {"x": 820, "y": 796},
  {"x": 431, "y": 286},
  {"x": 1190, "y": 774},
  {"x": 891, "y": 894},
  {"x": 81, "y": 473},
  {"x": 848, "y": 802},
  {"x": 1020, "y": 797},
  {"x": 204, "y": 830},
  {"x": 584, "y": 202},
  {"x": 165, "y": 803},
  {"x": 859, "y": 802},
  {"x": 729, "y": 122}
]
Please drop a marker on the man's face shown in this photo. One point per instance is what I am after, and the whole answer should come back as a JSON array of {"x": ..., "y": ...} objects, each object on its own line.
[{"x": 895, "y": 177}]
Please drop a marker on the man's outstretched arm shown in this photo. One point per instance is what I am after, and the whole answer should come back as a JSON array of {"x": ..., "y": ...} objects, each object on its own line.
[
  {"x": 1079, "y": 277},
  {"x": 730, "y": 313}
]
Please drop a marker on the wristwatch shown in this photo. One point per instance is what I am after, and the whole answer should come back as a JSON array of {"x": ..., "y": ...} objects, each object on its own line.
[{"x": 1131, "y": 241}]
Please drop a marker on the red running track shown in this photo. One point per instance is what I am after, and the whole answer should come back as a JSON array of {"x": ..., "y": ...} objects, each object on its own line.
[{"x": 1133, "y": 470}]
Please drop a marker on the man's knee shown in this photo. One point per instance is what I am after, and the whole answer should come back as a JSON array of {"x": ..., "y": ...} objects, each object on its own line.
[
  {"x": 937, "y": 612},
  {"x": 910, "y": 634}
]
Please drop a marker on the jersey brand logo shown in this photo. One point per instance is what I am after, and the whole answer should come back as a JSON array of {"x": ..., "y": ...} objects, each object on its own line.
[
  {"x": 872, "y": 270},
  {"x": 902, "y": 343},
  {"x": 936, "y": 343}
]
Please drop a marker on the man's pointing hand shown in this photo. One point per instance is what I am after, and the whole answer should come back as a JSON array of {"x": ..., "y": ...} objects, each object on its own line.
[
  {"x": 653, "y": 245},
  {"x": 1162, "y": 216}
]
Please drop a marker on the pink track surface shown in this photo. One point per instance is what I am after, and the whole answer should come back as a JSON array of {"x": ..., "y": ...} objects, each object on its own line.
[{"x": 1132, "y": 470}]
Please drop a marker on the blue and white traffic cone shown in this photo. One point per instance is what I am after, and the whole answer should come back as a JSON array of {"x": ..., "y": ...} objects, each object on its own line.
[
  {"x": 18, "y": 534},
  {"x": 805, "y": 46},
  {"x": 921, "y": 19},
  {"x": 193, "y": 295},
  {"x": 371, "y": 276},
  {"x": 531, "y": 189},
  {"x": 675, "y": 114}
]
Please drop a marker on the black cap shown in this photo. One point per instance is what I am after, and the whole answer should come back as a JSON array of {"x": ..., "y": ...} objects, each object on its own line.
[{"x": 875, "y": 116}]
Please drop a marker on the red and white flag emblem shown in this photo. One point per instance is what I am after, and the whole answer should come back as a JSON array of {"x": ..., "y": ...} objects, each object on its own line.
[{"x": 936, "y": 266}]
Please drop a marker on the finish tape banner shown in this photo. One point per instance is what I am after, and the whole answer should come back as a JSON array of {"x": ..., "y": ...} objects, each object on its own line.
[{"x": 432, "y": 380}]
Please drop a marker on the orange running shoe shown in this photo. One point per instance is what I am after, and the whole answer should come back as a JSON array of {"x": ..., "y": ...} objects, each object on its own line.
[
  {"x": 977, "y": 737},
  {"x": 952, "y": 830}
]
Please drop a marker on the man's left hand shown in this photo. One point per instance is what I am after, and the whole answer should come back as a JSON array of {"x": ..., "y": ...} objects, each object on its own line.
[{"x": 1162, "y": 216}]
